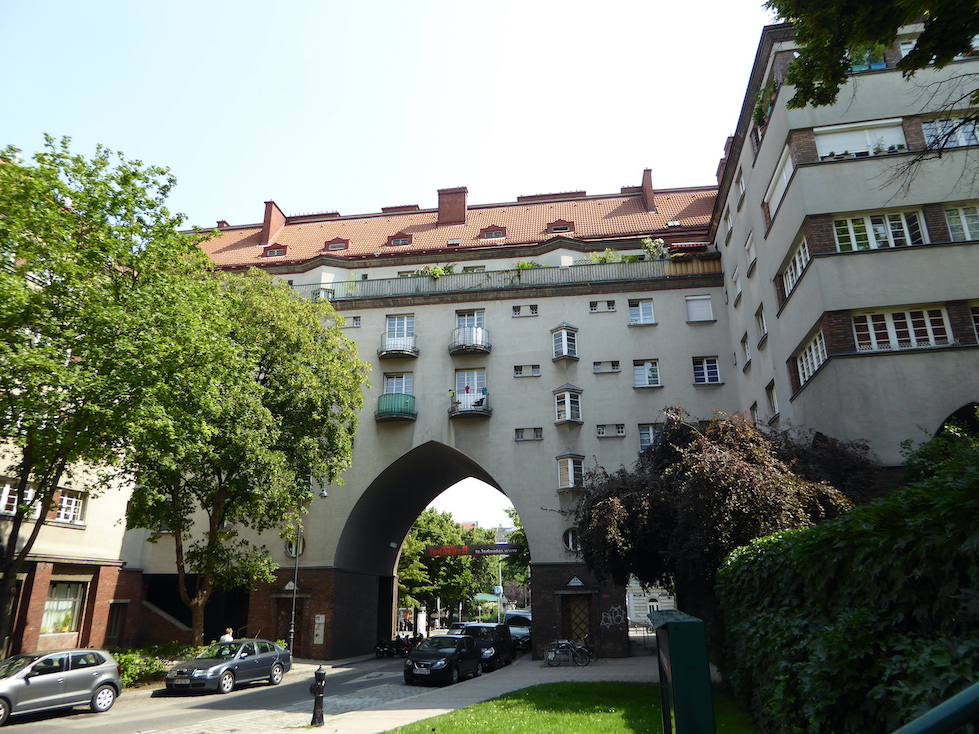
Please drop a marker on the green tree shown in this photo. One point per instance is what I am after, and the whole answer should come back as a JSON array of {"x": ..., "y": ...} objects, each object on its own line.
[
  {"x": 516, "y": 568},
  {"x": 695, "y": 495},
  {"x": 234, "y": 451},
  {"x": 829, "y": 31},
  {"x": 100, "y": 298}
]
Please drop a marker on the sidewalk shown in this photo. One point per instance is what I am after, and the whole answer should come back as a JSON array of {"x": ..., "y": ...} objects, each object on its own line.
[{"x": 396, "y": 704}]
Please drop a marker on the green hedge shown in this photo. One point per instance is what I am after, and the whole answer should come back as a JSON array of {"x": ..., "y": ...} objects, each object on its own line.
[
  {"x": 148, "y": 665},
  {"x": 861, "y": 623}
]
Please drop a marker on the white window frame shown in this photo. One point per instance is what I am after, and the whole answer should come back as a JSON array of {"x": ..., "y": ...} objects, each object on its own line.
[
  {"x": 792, "y": 273},
  {"x": 641, "y": 312},
  {"x": 954, "y": 132},
  {"x": 699, "y": 308},
  {"x": 647, "y": 435},
  {"x": 8, "y": 501},
  {"x": 620, "y": 429},
  {"x": 570, "y": 471},
  {"x": 761, "y": 323},
  {"x": 813, "y": 355},
  {"x": 893, "y": 330},
  {"x": 399, "y": 383},
  {"x": 736, "y": 285},
  {"x": 645, "y": 373},
  {"x": 780, "y": 182},
  {"x": 745, "y": 349},
  {"x": 771, "y": 396},
  {"x": 751, "y": 258},
  {"x": 71, "y": 507},
  {"x": 400, "y": 325},
  {"x": 860, "y": 140},
  {"x": 963, "y": 222},
  {"x": 567, "y": 406},
  {"x": 572, "y": 540},
  {"x": 880, "y": 230},
  {"x": 565, "y": 342},
  {"x": 526, "y": 370},
  {"x": 471, "y": 319},
  {"x": 63, "y": 607},
  {"x": 706, "y": 371}
]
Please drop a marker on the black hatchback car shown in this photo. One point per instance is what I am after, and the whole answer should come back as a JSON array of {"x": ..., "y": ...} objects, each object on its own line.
[
  {"x": 495, "y": 644},
  {"x": 443, "y": 659}
]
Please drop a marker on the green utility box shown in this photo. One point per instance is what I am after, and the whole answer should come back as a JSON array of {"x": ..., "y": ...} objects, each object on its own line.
[{"x": 684, "y": 673}]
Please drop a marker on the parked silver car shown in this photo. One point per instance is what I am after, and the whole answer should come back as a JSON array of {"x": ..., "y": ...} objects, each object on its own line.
[
  {"x": 57, "y": 679},
  {"x": 223, "y": 665}
]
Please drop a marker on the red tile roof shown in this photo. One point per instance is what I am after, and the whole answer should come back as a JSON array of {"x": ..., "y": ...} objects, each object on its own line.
[{"x": 594, "y": 217}]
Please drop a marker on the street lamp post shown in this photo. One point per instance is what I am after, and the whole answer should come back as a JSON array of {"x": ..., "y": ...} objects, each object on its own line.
[{"x": 296, "y": 550}]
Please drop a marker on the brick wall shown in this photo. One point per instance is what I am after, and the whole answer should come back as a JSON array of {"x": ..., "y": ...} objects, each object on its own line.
[
  {"x": 934, "y": 215},
  {"x": 914, "y": 134},
  {"x": 802, "y": 146},
  {"x": 960, "y": 317},
  {"x": 819, "y": 234}
]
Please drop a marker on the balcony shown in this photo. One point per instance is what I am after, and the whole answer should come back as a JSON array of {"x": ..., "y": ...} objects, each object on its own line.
[
  {"x": 396, "y": 347},
  {"x": 513, "y": 280},
  {"x": 395, "y": 407},
  {"x": 470, "y": 405},
  {"x": 470, "y": 340}
]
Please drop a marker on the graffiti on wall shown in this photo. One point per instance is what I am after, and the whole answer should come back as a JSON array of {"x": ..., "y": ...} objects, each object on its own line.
[{"x": 613, "y": 617}]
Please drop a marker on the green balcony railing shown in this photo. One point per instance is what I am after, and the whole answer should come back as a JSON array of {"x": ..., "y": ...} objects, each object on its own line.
[
  {"x": 395, "y": 407},
  {"x": 947, "y": 717}
]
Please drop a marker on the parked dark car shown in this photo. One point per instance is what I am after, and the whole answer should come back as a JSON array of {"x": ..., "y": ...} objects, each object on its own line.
[
  {"x": 225, "y": 664},
  {"x": 495, "y": 644},
  {"x": 56, "y": 679},
  {"x": 443, "y": 659},
  {"x": 519, "y": 621}
]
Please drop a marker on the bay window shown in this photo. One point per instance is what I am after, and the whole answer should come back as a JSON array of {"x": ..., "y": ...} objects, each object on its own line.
[
  {"x": 878, "y": 231},
  {"x": 890, "y": 330}
]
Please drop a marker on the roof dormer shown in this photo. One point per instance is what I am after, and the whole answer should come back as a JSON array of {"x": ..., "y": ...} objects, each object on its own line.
[
  {"x": 275, "y": 250},
  {"x": 493, "y": 232},
  {"x": 337, "y": 243},
  {"x": 399, "y": 239},
  {"x": 561, "y": 226}
]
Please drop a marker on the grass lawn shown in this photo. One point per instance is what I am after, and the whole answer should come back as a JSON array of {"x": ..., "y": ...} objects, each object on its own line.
[{"x": 559, "y": 708}]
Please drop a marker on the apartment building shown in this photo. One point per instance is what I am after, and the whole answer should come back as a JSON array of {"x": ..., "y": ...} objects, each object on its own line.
[{"x": 851, "y": 287}]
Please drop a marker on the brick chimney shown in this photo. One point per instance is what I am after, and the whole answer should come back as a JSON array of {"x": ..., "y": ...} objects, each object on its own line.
[
  {"x": 647, "y": 190},
  {"x": 452, "y": 206},
  {"x": 273, "y": 223}
]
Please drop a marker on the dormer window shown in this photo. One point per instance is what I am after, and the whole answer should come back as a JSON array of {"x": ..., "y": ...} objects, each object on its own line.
[
  {"x": 399, "y": 240},
  {"x": 493, "y": 232},
  {"x": 560, "y": 226},
  {"x": 335, "y": 244},
  {"x": 274, "y": 251}
]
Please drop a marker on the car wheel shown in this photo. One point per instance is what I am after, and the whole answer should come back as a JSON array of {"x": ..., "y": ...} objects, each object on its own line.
[
  {"x": 4, "y": 711},
  {"x": 409, "y": 680},
  {"x": 275, "y": 678},
  {"x": 227, "y": 682},
  {"x": 454, "y": 675},
  {"x": 103, "y": 698},
  {"x": 479, "y": 670}
]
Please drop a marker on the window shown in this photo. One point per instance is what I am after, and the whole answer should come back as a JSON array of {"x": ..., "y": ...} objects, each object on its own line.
[
  {"x": 885, "y": 331},
  {"x": 8, "y": 501},
  {"x": 963, "y": 222},
  {"x": 600, "y": 431},
  {"x": 565, "y": 342},
  {"x": 647, "y": 435},
  {"x": 533, "y": 309},
  {"x": 474, "y": 269},
  {"x": 530, "y": 310},
  {"x": 951, "y": 133},
  {"x": 337, "y": 244},
  {"x": 275, "y": 252},
  {"x": 772, "y": 399},
  {"x": 813, "y": 355},
  {"x": 745, "y": 350},
  {"x": 526, "y": 370},
  {"x": 859, "y": 141},
  {"x": 470, "y": 388},
  {"x": 400, "y": 383},
  {"x": 641, "y": 312},
  {"x": 739, "y": 185},
  {"x": 400, "y": 333},
  {"x": 570, "y": 471},
  {"x": 470, "y": 319},
  {"x": 646, "y": 373},
  {"x": 705, "y": 371},
  {"x": 760, "y": 323},
  {"x": 453, "y": 242},
  {"x": 407, "y": 273},
  {"x": 877, "y": 231},
  {"x": 561, "y": 225},
  {"x": 601, "y": 306},
  {"x": 736, "y": 285},
  {"x": 753, "y": 412},
  {"x": 351, "y": 322},
  {"x": 291, "y": 547},
  {"x": 729, "y": 224},
  {"x": 399, "y": 240},
  {"x": 62, "y": 609},
  {"x": 975, "y": 319},
  {"x": 797, "y": 264},
  {"x": 528, "y": 434},
  {"x": 699, "y": 308},
  {"x": 749, "y": 253},
  {"x": 572, "y": 540},
  {"x": 567, "y": 405},
  {"x": 609, "y": 430},
  {"x": 492, "y": 234},
  {"x": 620, "y": 429},
  {"x": 609, "y": 366},
  {"x": 779, "y": 183},
  {"x": 71, "y": 507}
]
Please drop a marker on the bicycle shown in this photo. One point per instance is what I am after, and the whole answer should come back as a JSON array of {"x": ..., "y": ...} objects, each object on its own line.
[
  {"x": 590, "y": 651},
  {"x": 568, "y": 650}
]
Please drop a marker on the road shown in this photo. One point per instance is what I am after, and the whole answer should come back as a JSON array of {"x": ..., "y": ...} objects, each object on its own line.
[{"x": 355, "y": 687}]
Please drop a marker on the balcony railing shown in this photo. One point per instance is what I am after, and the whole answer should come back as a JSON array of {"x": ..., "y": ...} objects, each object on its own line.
[
  {"x": 470, "y": 340},
  {"x": 469, "y": 405},
  {"x": 395, "y": 407},
  {"x": 397, "y": 346},
  {"x": 508, "y": 279}
]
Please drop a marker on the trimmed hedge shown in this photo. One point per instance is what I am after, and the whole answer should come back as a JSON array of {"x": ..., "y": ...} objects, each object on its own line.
[{"x": 863, "y": 622}]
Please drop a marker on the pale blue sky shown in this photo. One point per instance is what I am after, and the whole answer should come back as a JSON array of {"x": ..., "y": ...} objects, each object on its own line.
[{"x": 351, "y": 106}]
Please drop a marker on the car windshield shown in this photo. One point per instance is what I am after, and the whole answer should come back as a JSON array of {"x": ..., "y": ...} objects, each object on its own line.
[
  {"x": 13, "y": 665},
  {"x": 220, "y": 651},
  {"x": 481, "y": 633},
  {"x": 438, "y": 644}
]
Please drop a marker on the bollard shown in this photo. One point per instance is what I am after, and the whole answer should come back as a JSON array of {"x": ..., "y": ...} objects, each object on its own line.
[{"x": 316, "y": 690}]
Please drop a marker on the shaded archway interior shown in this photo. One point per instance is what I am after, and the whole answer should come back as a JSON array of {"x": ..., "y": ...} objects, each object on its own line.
[{"x": 386, "y": 511}]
